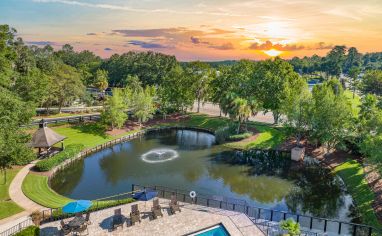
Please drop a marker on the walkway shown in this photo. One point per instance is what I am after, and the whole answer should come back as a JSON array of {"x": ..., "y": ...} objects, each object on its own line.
[
  {"x": 192, "y": 218},
  {"x": 17, "y": 195}
]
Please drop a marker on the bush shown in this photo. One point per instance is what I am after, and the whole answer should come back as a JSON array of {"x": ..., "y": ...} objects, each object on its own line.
[
  {"x": 29, "y": 231},
  {"x": 291, "y": 226},
  {"x": 223, "y": 133},
  {"x": 69, "y": 152},
  {"x": 238, "y": 137}
]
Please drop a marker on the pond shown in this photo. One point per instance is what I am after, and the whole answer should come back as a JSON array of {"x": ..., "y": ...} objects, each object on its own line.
[{"x": 190, "y": 160}]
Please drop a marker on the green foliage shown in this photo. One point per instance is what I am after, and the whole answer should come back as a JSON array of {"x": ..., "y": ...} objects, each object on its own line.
[
  {"x": 101, "y": 80},
  {"x": 142, "y": 104},
  {"x": 69, "y": 152},
  {"x": 291, "y": 226},
  {"x": 372, "y": 82},
  {"x": 238, "y": 137},
  {"x": 114, "y": 114},
  {"x": 29, "y": 231},
  {"x": 352, "y": 174}
]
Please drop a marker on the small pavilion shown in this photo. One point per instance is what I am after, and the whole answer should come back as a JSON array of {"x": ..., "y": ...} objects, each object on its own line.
[{"x": 44, "y": 139}]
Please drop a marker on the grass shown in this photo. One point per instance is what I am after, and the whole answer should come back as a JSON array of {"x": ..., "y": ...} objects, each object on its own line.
[
  {"x": 269, "y": 137},
  {"x": 36, "y": 188},
  {"x": 90, "y": 135},
  {"x": 7, "y": 206},
  {"x": 353, "y": 175}
]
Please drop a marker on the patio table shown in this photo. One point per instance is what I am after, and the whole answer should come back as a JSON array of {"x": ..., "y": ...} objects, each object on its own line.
[{"x": 77, "y": 222}]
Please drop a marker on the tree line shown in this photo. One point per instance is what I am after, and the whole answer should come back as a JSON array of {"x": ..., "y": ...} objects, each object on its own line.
[{"x": 147, "y": 83}]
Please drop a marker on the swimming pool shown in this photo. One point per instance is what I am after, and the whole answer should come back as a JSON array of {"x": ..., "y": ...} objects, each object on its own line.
[{"x": 217, "y": 230}]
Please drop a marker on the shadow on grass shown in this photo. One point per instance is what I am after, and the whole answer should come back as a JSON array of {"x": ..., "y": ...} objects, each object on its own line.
[{"x": 92, "y": 128}]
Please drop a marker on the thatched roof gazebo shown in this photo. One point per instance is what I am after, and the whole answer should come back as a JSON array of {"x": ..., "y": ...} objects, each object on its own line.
[{"x": 45, "y": 138}]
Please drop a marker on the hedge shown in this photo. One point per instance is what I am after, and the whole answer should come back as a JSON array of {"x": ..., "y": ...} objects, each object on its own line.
[
  {"x": 238, "y": 137},
  {"x": 29, "y": 231},
  {"x": 70, "y": 151}
]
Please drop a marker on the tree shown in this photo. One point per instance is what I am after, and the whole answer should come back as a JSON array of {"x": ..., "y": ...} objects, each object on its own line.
[
  {"x": 67, "y": 85},
  {"x": 101, "y": 80},
  {"x": 143, "y": 105},
  {"x": 13, "y": 140},
  {"x": 334, "y": 61},
  {"x": 273, "y": 83},
  {"x": 372, "y": 82},
  {"x": 201, "y": 74},
  {"x": 353, "y": 59},
  {"x": 354, "y": 73},
  {"x": 114, "y": 114},
  {"x": 331, "y": 114},
  {"x": 175, "y": 93}
]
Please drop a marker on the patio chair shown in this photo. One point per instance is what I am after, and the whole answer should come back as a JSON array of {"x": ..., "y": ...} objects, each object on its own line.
[
  {"x": 65, "y": 229},
  {"x": 87, "y": 218},
  {"x": 82, "y": 229},
  {"x": 156, "y": 209},
  {"x": 135, "y": 215},
  {"x": 117, "y": 219},
  {"x": 174, "y": 205}
]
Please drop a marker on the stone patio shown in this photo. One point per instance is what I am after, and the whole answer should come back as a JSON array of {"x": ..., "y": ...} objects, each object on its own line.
[{"x": 192, "y": 218}]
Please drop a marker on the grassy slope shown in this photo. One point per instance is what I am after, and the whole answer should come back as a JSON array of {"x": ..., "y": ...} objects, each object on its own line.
[
  {"x": 7, "y": 207},
  {"x": 37, "y": 189},
  {"x": 352, "y": 174},
  {"x": 269, "y": 137}
]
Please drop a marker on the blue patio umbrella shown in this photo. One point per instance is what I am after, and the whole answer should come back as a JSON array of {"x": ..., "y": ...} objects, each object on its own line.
[
  {"x": 145, "y": 195},
  {"x": 77, "y": 206}
]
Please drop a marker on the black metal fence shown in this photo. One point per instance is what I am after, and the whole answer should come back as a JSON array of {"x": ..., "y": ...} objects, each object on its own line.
[
  {"x": 17, "y": 227},
  {"x": 257, "y": 214},
  {"x": 69, "y": 119}
]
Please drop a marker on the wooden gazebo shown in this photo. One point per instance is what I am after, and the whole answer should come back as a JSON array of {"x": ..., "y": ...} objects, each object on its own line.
[{"x": 45, "y": 138}]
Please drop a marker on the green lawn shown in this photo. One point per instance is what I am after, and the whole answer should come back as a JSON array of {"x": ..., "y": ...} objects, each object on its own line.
[
  {"x": 270, "y": 137},
  {"x": 7, "y": 206},
  {"x": 352, "y": 174},
  {"x": 36, "y": 188},
  {"x": 90, "y": 135}
]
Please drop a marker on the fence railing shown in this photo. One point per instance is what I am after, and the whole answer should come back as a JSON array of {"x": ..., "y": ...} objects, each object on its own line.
[
  {"x": 69, "y": 119},
  {"x": 17, "y": 227},
  {"x": 328, "y": 226}
]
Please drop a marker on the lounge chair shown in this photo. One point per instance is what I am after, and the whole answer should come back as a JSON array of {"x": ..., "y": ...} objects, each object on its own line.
[
  {"x": 156, "y": 209},
  {"x": 135, "y": 215},
  {"x": 87, "y": 218},
  {"x": 117, "y": 219},
  {"x": 174, "y": 205},
  {"x": 82, "y": 229},
  {"x": 65, "y": 229}
]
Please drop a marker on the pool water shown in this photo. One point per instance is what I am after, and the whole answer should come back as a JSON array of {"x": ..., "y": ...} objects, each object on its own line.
[{"x": 218, "y": 230}]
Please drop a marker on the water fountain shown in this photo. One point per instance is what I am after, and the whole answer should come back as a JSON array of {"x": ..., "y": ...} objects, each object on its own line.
[{"x": 159, "y": 155}]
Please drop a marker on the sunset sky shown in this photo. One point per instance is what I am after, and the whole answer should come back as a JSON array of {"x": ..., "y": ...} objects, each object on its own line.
[{"x": 197, "y": 29}]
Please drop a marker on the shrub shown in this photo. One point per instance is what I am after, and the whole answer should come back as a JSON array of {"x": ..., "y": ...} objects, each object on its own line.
[
  {"x": 69, "y": 152},
  {"x": 29, "y": 231},
  {"x": 223, "y": 133},
  {"x": 238, "y": 137},
  {"x": 291, "y": 226}
]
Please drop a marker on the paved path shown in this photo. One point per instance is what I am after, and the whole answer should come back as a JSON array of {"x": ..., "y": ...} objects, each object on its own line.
[
  {"x": 17, "y": 196},
  {"x": 211, "y": 109}
]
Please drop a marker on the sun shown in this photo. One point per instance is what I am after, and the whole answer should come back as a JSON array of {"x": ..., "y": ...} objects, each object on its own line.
[{"x": 272, "y": 52}]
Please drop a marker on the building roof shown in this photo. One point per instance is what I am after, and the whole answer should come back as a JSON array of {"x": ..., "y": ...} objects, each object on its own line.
[{"x": 45, "y": 137}]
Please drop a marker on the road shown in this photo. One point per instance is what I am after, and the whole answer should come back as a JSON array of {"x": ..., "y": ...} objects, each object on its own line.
[{"x": 214, "y": 110}]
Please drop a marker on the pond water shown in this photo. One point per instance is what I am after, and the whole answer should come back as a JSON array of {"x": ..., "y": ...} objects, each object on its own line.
[{"x": 190, "y": 160}]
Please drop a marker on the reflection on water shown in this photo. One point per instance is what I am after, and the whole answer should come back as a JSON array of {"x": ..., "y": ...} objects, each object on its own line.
[{"x": 265, "y": 181}]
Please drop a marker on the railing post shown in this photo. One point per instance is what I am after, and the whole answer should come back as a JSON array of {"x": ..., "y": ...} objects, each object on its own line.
[
  {"x": 246, "y": 210},
  {"x": 208, "y": 202},
  {"x": 354, "y": 230},
  {"x": 325, "y": 225},
  {"x": 271, "y": 215},
  {"x": 311, "y": 222},
  {"x": 298, "y": 218},
  {"x": 370, "y": 231},
  {"x": 339, "y": 228},
  {"x": 233, "y": 207}
]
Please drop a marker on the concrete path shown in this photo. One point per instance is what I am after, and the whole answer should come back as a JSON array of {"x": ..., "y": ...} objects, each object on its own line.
[
  {"x": 214, "y": 110},
  {"x": 17, "y": 196}
]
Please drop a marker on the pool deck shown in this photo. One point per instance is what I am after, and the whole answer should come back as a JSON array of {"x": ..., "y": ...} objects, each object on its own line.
[{"x": 191, "y": 218}]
